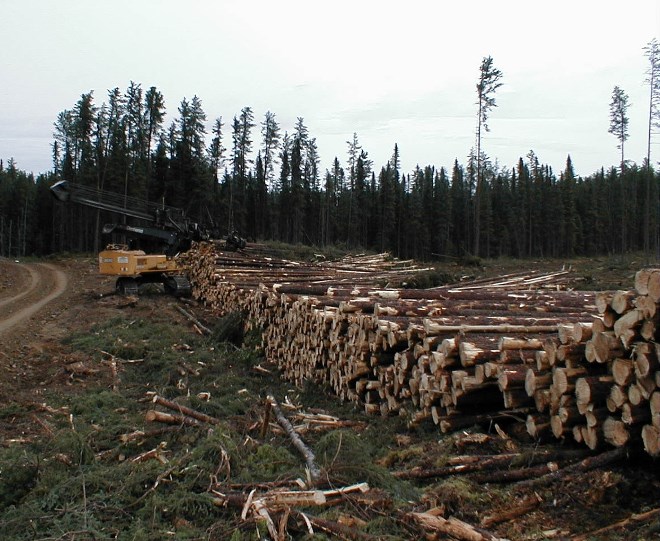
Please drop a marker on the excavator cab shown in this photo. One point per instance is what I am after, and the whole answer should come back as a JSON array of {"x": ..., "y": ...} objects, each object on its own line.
[
  {"x": 166, "y": 228},
  {"x": 134, "y": 268}
]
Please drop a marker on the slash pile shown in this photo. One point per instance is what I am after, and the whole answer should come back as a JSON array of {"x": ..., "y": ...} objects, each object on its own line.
[{"x": 572, "y": 364}]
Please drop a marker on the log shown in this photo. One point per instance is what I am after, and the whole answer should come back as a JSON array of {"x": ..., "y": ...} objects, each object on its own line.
[
  {"x": 634, "y": 518},
  {"x": 617, "y": 397},
  {"x": 623, "y": 371},
  {"x": 189, "y": 412},
  {"x": 615, "y": 432},
  {"x": 193, "y": 319},
  {"x": 468, "y": 464},
  {"x": 642, "y": 281},
  {"x": 508, "y": 343},
  {"x": 628, "y": 321},
  {"x": 512, "y": 476},
  {"x": 655, "y": 403},
  {"x": 622, "y": 301},
  {"x": 645, "y": 359},
  {"x": 592, "y": 436},
  {"x": 535, "y": 380},
  {"x": 336, "y": 529},
  {"x": 603, "y": 347},
  {"x": 593, "y": 389},
  {"x": 517, "y": 509},
  {"x": 653, "y": 285},
  {"x": 563, "y": 379},
  {"x": 306, "y": 452},
  {"x": 646, "y": 305},
  {"x": 582, "y": 331},
  {"x": 452, "y": 526},
  {"x": 590, "y": 463},
  {"x": 651, "y": 439},
  {"x": 512, "y": 377},
  {"x": 171, "y": 418},
  {"x": 538, "y": 426}
]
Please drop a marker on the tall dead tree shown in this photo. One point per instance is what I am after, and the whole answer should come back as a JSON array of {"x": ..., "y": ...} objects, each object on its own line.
[{"x": 489, "y": 82}]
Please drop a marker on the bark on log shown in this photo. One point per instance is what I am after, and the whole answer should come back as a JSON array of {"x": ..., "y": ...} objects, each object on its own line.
[
  {"x": 517, "y": 509},
  {"x": 587, "y": 464},
  {"x": 452, "y": 526},
  {"x": 306, "y": 452},
  {"x": 171, "y": 418},
  {"x": 184, "y": 410},
  {"x": 636, "y": 517}
]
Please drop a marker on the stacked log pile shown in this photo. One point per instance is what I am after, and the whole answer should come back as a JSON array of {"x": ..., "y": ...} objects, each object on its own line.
[{"x": 569, "y": 364}]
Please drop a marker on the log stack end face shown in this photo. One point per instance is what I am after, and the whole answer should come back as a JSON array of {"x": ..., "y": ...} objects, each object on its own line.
[{"x": 572, "y": 364}]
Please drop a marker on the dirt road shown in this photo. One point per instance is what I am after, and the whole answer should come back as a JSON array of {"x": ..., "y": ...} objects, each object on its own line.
[
  {"x": 40, "y": 302},
  {"x": 26, "y": 288}
]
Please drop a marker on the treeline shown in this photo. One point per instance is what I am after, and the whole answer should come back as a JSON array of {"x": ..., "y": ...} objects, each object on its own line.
[{"x": 275, "y": 190}]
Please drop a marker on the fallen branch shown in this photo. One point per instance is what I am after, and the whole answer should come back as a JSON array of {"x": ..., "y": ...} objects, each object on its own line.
[
  {"x": 637, "y": 517},
  {"x": 156, "y": 453},
  {"x": 310, "y": 459},
  {"x": 336, "y": 529},
  {"x": 203, "y": 417},
  {"x": 193, "y": 319},
  {"x": 587, "y": 464},
  {"x": 525, "y": 506},
  {"x": 452, "y": 526},
  {"x": 171, "y": 418},
  {"x": 142, "y": 435},
  {"x": 511, "y": 476},
  {"x": 119, "y": 359},
  {"x": 471, "y": 463},
  {"x": 277, "y": 499}
]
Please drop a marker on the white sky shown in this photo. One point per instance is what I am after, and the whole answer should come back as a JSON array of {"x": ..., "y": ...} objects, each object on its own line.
[{"x": 392, "y": 71}]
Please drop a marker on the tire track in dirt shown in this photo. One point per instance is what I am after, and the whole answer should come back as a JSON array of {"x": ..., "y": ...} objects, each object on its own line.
[
  {"x": 47, "y": 283},
  {"x": 34, "y": 281}
]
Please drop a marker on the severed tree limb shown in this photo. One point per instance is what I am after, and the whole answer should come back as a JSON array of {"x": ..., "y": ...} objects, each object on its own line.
[
  {"x": 203, "y": 417},
  {"x": 453, "y": 527},
  {"x": 635, "y": 517},
  {"x": 336, "y": 529},
  {"x": 193, "y": 319},
  {"x": 277, "y": 499},
  {"x": 142, "y": 435},
  {"x": 156, "y": 453},
  {"x": 471, "y": 463},
  {"x": 521, "y": 508},
  {"x": 171, "y": 418},
  {"x": 511, "y": 476},
  {"x": 587, "y": 464},
  {"x": 264, "y": 426},
  {"x": 310, "y": 459}
]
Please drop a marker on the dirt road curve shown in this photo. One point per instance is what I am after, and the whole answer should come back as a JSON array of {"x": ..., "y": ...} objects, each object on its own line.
[{"x": 25, "y": 288}]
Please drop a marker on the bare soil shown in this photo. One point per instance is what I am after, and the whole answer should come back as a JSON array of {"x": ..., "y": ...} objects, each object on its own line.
[{"x": 40, "y": 304}]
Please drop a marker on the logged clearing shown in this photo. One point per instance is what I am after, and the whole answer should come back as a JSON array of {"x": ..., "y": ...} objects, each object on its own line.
[{"x": 154, "y": 418}]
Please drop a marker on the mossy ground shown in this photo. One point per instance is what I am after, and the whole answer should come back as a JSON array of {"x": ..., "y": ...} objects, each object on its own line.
[{"x": 80, "y": 480}]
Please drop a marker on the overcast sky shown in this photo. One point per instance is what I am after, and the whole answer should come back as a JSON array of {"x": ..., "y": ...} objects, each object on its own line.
[{"x": 391, "y": 71}]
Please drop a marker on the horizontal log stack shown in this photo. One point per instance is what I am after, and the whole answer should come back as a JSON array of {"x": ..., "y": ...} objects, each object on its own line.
[{"x": 569, "y": 364}]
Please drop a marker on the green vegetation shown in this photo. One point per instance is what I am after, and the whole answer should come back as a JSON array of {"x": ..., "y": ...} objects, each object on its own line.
[{"x": 84, "y": 479}]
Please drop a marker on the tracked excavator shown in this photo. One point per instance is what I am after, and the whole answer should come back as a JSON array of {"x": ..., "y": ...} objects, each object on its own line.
[{"x": 166, "y": 232}]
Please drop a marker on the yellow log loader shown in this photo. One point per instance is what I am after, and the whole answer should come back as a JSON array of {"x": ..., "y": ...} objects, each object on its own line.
[{"x": 167, "y": 232}]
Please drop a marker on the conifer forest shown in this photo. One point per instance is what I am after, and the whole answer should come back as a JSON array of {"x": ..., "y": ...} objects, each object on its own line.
[{"x": 246, "y": 175}]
